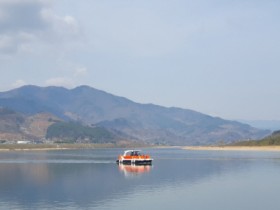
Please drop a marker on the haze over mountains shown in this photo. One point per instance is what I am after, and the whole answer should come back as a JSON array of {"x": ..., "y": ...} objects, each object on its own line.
[
  {"x": 272, "y": 125},
  {"x": 129, "y": 120}
]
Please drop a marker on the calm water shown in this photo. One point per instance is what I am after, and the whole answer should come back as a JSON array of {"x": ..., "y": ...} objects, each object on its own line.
[{"x": 178, "y": 179}]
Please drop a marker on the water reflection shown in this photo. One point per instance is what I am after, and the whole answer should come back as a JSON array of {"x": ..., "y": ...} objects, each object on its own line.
[
  {"x": 134, "y": 170},
  {"x": 13, "y": 175}
]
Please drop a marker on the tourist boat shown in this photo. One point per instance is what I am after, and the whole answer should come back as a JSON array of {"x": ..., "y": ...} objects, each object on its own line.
[{"x": 134, "y": 157}]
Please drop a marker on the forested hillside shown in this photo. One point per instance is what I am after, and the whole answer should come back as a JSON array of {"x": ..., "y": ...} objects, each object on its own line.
[{"x": 70, "y": 132}]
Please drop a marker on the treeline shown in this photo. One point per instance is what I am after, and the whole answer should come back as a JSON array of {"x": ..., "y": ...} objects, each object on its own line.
[
  {"x": 70, "y": 132},
  {"x": 273, "y": 139}
]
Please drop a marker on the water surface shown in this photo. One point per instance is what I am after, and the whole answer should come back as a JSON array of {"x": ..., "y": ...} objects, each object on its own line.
[{"x": 178, "y": 179}]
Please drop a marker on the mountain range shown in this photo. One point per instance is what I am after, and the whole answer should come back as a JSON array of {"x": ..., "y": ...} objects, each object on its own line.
[{"x": 126, "y": 119}]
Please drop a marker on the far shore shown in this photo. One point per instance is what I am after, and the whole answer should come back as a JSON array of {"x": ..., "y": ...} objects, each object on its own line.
[
  {"x": 46, "y": 147},
  {"x": 233, "y": 148},
  {"x": 42, "y": 147}
]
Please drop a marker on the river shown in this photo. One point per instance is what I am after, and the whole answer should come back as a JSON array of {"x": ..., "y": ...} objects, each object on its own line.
[{"x": 177, "y": 179}]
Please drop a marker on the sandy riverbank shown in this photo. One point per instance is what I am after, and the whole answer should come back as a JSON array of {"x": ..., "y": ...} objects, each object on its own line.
[{"x": 234, "y": 148}]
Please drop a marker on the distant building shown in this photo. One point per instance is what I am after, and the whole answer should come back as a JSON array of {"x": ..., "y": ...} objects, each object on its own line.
[{"x": 23, "y": 142}]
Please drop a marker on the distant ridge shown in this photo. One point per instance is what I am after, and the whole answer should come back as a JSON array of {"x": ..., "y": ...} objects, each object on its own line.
[{"x": 150, "y": 123}]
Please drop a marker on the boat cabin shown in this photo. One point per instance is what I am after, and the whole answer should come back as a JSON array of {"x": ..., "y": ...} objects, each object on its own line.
[{"x": 132, "y": 153}]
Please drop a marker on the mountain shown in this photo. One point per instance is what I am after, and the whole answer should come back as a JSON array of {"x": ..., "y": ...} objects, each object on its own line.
[{"x": 151, "y": 123}]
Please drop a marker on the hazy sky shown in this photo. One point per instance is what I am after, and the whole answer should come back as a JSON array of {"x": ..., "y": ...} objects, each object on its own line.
[{"x": 219, "y": 57}]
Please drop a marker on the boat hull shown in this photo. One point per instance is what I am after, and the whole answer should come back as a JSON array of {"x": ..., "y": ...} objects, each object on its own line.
[{"x": 134, "y": 162}]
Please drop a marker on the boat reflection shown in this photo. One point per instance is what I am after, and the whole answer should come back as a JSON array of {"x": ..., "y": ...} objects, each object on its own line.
[{"x": 134, "y": 170}]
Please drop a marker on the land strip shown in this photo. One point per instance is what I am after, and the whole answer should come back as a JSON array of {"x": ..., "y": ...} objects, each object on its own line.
[
  {"x": 27, "y": 147},
  {"x": 31, "y": 147},
  {"x": 233, "y": 148}
]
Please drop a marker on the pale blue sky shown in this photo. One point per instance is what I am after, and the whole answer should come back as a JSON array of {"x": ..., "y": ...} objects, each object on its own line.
[{"x": 214, "y": 56}]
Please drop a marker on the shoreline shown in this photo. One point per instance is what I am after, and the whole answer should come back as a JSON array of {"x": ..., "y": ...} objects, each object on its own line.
[
  {"x": 49, "y": 147},
  {"x": 233, "y": 148},
  {"x": 52, "y": 147}
]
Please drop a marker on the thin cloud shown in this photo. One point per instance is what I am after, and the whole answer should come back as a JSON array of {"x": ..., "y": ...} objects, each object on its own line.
[
  {"x": 60, "y": 81},
  {"x": 80, "y": 72},
  {"x": 19, "y": 83},
  {"x": 36, "y": 19},
  {"x": 22, "y": 16}
]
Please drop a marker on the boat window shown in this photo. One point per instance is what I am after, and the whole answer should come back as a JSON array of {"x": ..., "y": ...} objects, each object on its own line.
[
  {"x": 136, "y": 153},
  {"x": 132, "y": 153}
]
